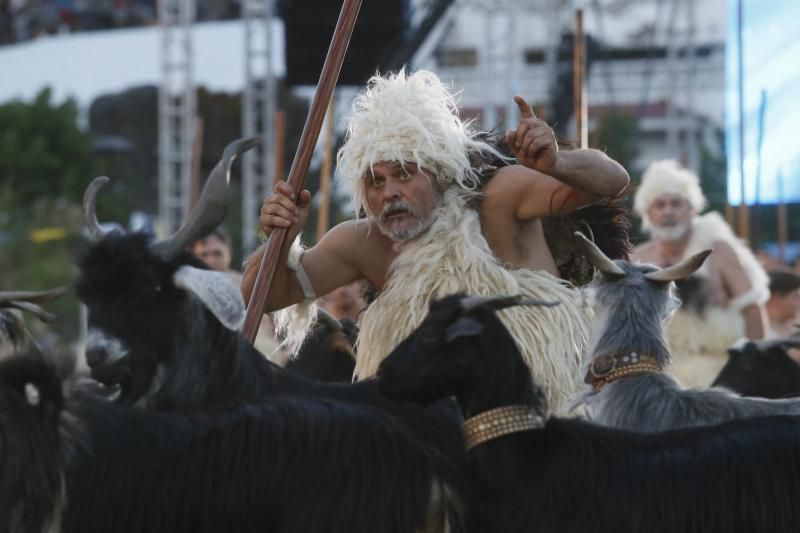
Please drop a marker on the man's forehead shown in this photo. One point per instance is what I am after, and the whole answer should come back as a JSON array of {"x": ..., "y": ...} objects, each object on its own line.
[
  {"x": 391, "y": 166},
  {"x": 668, "y": 197}
]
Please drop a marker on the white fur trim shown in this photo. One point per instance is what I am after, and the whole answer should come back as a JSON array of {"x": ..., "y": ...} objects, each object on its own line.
[
  {"x": 453, "y": 256},
  {"x": 216, "y": 290},
  {"x": 293, "y": 263},
  {"x": 755, "y": 296},
  {"x": 711, "y": 228},
  {"x": 407, "y": 118},
  {"x": 667, "y": 177},
  {"x": 293, "y": 323}
]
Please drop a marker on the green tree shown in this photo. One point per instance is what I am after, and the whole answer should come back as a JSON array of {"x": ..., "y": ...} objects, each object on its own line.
[
  {"x": 616, "y": 134},
  {"x": 45, "y": 165}
]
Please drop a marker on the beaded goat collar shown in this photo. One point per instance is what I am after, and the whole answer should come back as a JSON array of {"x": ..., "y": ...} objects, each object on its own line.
[
  {"x": 498, "y": 422},
  {"x": 607, "y": 368}
]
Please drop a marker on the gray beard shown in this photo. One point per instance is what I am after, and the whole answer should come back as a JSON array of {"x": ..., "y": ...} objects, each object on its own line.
[
  {"x": 670, "y": 233},
  {"x": 396, "y": 232}
]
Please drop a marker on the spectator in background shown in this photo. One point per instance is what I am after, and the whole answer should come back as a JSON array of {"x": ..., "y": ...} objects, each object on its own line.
[
  {"x": 215, "y": 250},
  {"x": 783, "y": 306},
  {"x": 345, "y": 302}
]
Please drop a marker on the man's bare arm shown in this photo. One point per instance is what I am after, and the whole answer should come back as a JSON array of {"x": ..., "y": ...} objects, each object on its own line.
[
  {"x": 558, "y": 182},
  {"x": 737, "y": 283},
  {"x": 328, "y": 266}
]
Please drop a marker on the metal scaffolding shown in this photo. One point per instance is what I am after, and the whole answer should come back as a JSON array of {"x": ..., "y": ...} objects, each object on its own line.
[
  {"x": 258, "y": 113},
  {"x": 176, "y": 112}
]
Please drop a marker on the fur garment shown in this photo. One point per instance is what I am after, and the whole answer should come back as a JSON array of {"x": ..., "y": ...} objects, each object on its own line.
[{"x": 453, "y": 256}]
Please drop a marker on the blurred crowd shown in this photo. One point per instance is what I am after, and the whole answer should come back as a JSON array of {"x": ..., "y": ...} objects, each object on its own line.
[{"x": 22, "y": 20}]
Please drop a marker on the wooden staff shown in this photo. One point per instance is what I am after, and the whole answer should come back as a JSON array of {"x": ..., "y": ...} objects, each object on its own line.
[
  {"x": 579, "y": 82},
  {"x": 280, "y": 135},
  {"x": 308, "y": 140}
]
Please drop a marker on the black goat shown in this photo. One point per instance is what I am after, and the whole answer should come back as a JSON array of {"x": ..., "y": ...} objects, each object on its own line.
[
  {"x": 34, "y": 446},
  {"x": 763, "y": 369},
  {"x": 327, "y": 353},
  {"x": 572, "y": 476},
  {"x": 289, "y": 465},
  {"x": 166, "y": 330}
]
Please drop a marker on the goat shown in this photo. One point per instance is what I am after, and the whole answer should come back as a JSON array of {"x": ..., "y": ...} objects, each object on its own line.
[
  {"x": 327, "y": 354},
  {"x": 34, "y": 450},
  {"x": 14, "y": 336},
  {"x": 627, "y": 354},
  {"x": 568, "y": 475},
  {"x": 165, "y": 329},
  {"x": 289, "y": 465},
  {"x": 293, "y": 464},
  {"x": 762, "y": 368}
]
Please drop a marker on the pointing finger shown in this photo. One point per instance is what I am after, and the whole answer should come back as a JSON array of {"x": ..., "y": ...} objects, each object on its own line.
[{"x": 525, "y": 110}]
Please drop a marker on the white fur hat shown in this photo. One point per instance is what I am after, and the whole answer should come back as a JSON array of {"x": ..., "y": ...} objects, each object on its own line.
[
  {"x": 407, "y": 118},
  {"x": 667, "y": 177}
]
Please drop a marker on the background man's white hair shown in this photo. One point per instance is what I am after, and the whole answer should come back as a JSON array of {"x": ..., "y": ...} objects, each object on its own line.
[
  {"x": 411, "y": 118},
  {"x": 667, "y": 177}
]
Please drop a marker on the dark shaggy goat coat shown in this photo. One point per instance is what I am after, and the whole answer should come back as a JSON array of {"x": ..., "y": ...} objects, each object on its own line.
[
  {"x": 755, "y": 371},
  {"x": 175, "y": 355},
  {"x": 290, "y": 465},
  {"x": 572, "y": 476},
  {"x": 33, "y": 448},
  {"x": 327, "y": 353}
]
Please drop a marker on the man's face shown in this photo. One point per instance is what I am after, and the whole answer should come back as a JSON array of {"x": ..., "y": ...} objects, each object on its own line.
[
  {"x": 785, "y": 306},
  {"x": 213, "y": 252},
  {"x": 401, "y": 199},
  {"x": 670, "y": 217}
]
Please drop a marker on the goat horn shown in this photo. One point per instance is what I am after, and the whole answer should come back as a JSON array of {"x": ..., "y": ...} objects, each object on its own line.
[
  {"x": 329, "y": 320},
  {"x": 679, "y": 270},
  {"x": 597, "y": 258},
  {"x": 470, "y": 303},
  {"x": 211, "y": 206},
  {"x": 31, "y": 296},
  {"x": 34, "y": 309},
  {"x": 95, "y": 230}
]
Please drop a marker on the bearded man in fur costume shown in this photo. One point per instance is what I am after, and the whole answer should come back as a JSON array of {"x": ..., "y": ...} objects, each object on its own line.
[
  {"x": 441, "y": 217},
  {"x": 725, "y": 300}
]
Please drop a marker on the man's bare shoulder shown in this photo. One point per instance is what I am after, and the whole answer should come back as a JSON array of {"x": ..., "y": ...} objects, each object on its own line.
[{"x": 647, "y": 252}]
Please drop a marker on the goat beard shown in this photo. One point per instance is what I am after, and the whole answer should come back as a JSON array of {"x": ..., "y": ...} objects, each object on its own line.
[{"x": 670, "y": 232}]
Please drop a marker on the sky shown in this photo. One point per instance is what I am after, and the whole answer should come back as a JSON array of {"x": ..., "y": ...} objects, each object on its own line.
[{"x": 771, "y": 45}]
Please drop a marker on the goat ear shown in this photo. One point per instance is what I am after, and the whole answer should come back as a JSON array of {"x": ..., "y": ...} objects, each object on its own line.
[
  {"x": 463, "y": 327},
  {"x": 216, "y": 290}
]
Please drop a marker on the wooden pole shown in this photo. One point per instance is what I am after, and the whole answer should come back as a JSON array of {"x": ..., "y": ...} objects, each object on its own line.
[
  {"x": 197, "y": 157},
  {"x": 280, "y": 139},
  {"x": 744, "y": 222},
  {"x": 308, "y": 141},
  {"x": 579, "y": 82},
  {"x": 325, "y": 177}
]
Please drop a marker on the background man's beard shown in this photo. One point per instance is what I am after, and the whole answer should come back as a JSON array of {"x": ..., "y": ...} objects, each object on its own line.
[{"x": 670, "y": 233}]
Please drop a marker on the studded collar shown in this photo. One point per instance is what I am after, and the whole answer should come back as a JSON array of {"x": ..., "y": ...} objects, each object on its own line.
[
  {"x": 607, "y": 368},
  {"x": 500, "y": 421}
]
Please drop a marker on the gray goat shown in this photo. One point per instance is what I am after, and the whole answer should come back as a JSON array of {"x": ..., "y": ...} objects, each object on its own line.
[{"x": 627, "y": 354}]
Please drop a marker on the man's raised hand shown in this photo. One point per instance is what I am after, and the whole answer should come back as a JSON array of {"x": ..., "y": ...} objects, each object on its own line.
[{"x": 533, "y": 143}]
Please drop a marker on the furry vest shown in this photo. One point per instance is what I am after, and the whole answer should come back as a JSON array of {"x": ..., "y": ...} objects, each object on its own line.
[{"x": 454, "y": 256}]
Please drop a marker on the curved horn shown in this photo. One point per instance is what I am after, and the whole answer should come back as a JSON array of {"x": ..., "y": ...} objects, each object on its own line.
[
  {"x": 324, "y": 317},
  {"x": 95, "y": 230},
  {"x": 470, "y": 303},
  {"x": 597, "y": 258},
  {"x": 34, "y": 309},
  {"x": 211, "y": 206},
  {"x": 679, "y": 270},
  {"x": 31, "y": 296}
]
